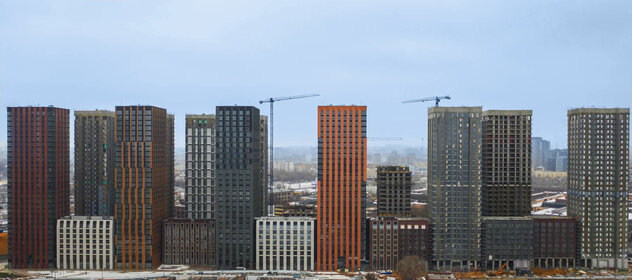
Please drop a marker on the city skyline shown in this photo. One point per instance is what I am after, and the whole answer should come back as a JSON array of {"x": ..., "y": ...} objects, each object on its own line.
[{"x": 492, "y": 53}]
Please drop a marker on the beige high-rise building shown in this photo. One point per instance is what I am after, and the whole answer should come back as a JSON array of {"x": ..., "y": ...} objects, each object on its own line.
[{"x": 598, "y": 155}]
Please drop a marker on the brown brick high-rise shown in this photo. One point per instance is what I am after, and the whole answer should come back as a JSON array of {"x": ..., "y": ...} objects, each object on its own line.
[
  {"x": 141, "y": 185},
  {"x": 38, "y": 183},
  {"x": 341, "y": 187}
]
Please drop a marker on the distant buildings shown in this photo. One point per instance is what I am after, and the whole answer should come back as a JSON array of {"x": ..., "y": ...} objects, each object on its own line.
[
  {"x": 142, "y": 193},
  {"x": 598, "y": 155},
  {"x": 341, "y": 187},
  {"x": 539, "y": 148},
  {"x": 38, "y": 183},
  {"x": 506, "y": 163},
  {"x": 238, "y": 184},
  {"x": 454, "y": 183},
  {"x": 85, "y": 242},
  {"x": 200, "y": 166},
  {"x": 285, "y": 243},
  {"x": 189, "y": 242},
  {"x": 545, "y": 158},
  {"x": 393, "y": 191},
  {"x": 94, "y": 163}
]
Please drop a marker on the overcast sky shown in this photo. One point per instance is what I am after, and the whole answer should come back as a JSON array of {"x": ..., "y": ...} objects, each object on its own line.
[{"x": 190, "y": 56}]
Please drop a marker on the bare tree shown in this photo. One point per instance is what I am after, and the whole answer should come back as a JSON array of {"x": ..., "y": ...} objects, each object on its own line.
[
  {"x": 411, "y": 267},
  {"x": 371, "y": 276}
]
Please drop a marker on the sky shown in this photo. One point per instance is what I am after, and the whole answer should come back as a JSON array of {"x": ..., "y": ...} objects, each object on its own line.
[{"x": 190, "y": 56}]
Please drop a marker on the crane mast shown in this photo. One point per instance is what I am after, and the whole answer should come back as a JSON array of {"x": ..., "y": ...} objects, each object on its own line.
[{"x": 271, "y": 100}]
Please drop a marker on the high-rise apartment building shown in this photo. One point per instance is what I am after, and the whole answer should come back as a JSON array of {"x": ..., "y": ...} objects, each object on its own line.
[
  {"x": 142, "y": 193},
  {"x": 171, "y": 164},
  {"x": 200, "y": 166},
  {"x": 238, "y": 184},
  {"x": 454, "y": 183},
  {"x": 94, "y": 163},
  {"x": 506, "y": 163},
  {"x": 38, "y": 191},
  {"x": 341, "y": 187},
  {"x": 393, "y": 191},
  {"x": 598, "y": 155}
]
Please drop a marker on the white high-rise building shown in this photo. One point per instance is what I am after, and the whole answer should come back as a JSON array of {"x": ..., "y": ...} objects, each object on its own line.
[{"x": 200, "y": 166}]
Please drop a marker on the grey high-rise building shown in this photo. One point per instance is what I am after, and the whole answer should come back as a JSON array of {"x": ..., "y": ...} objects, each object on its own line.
[
  {"x": 393, "y": 191},
  {"x": 454, "y": 184},
  {"x": 598, "y": 154},
  {"x": 200, "y": 166},
  {"x": 238, "y": 184},
  {"x": 94, "y": 163},
  {"x": 539, "y": 149},
  {"x": 506, "y": 163},
  {"x": 171, "y": 165}
]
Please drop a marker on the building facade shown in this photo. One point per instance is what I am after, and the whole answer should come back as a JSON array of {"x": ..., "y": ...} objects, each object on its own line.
[
  {"x": 555, "y": 242},
  {"x": 382, "y": 243},
  {"x": 171, "y": 153},
  {"x": 341, "y": 187},
  {"x": 189, "y": 242},
  {"x": 38, "y": 190},
  {"x": 598, "y": 155},
  {"x": 393, "y": 191},
  {"x": 239, "y": 190},
  {"x": 506, "y": 163},
  {"x": 142, "y": 193},
  {"x": 200, "y": 166},
  {"x": 285, "y": 243},
  {"x": 506, "y": 240},
  {"x": 85, "y": 242},
  {"x": 414, "y": 238},
  {"x": 454, "y": 185},
  {"x": 94, "y": 163},
  {"x": 266, "y": 206}
]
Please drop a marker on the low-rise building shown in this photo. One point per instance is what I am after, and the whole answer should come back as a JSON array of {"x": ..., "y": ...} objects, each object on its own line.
[
  {"x": 382, "y": 241},
  {"x": 285, "y": 243},
  {"x": 189, "y": 242},
  {"x": 555, "y": 242},
  {"x": 414, "y": 238},
  {"x": 506, "y": 240},
  {"x": 85, "y": 242},
  {"x": 281, "y": 196}
]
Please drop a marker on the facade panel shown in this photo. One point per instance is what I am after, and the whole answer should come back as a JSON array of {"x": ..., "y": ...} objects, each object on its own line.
[
  {"x": 85, "y": 242},
  {"x": 189, "y": 242}
]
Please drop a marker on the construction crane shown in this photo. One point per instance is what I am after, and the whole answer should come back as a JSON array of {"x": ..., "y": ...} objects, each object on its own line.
[
  {"x": 271, "y": 100},
  {"x": 435, "y": 98}
]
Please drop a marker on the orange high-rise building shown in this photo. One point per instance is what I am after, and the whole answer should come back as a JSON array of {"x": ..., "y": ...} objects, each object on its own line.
[
  {"x": 341, "y": 187},
  {"x": 141, "y": 185}
]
